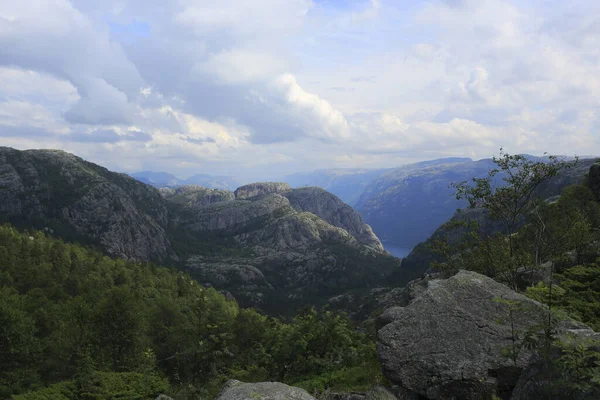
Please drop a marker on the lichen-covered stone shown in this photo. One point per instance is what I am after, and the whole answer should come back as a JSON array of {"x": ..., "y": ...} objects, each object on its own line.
[
  {"x": 453, "y": 337},
  {"x": 236, "y": 390}
]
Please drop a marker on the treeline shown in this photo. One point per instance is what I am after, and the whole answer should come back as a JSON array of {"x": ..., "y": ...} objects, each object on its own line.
[{"x": 77, "y": 324}]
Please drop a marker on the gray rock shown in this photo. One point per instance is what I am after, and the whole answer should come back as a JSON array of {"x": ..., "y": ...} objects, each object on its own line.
[
  {"x": 333, "y": 210},
  {"x": 448, "y": 341},
  {"x": 260, "y": 188},
  {"x": 196, "y": 196},
  {"x": 163, "y": 397},
  {"x": 236, "y": 390},
  {"x": 380, "y": 393},
  {"x": 239, "y": 215}
]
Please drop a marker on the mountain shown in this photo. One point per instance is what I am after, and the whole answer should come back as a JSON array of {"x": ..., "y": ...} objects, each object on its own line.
[
  {"x": 279, "y": 246},
  {"x": 167, "y": 180},
  {"x": 81, "y": 201},
  {"x": 157, "y": 179},
  {"x": 406, "y": 204},
  {"x": 347, "y": 184},
  {"x": 213, "y": 182},
  {"x": 268, "y": 244}
]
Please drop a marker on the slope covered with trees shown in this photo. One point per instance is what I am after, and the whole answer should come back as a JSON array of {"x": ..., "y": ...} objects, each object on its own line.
[{"x": 77, "y": 324}]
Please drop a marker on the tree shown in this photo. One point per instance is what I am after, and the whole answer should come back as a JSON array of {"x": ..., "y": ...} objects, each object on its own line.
[{"x": 508, "y": 195}]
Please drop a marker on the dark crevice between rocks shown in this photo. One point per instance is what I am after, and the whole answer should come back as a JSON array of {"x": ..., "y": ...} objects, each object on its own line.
[{"x": 506, "y": 379}]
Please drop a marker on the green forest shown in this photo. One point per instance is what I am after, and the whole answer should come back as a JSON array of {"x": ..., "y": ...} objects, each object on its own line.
[{"x": 75, "y": 324}]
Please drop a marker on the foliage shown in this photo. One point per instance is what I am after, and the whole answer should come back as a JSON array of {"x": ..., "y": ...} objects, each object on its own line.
[
  {"x": 579, "y": 364},
  {"x": 509, "y": 203},
  {"x": 103, "y": 385},
  {"x": 87, "y": 324}
]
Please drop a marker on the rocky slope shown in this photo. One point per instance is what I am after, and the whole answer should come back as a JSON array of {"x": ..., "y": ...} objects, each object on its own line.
[
  {"x": 452, "y": 337},
  {"x": 196, "y": 196},
  {"x": 300, "y": 244},
  {"x": 266, "y": 243},
  {"x": 79, "y": 200}
]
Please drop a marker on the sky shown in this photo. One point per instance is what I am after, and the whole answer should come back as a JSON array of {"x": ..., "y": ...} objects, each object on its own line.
[{"x": 264, "y": 88}]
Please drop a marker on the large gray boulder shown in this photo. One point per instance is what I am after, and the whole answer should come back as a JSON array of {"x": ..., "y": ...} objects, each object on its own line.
[
  {"x": 236, "y": 390},
  {"x": 452, "y": 339}
]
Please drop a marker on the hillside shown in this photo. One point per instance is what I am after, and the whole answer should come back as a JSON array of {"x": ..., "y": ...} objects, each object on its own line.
[
  {"x": 102, "y": 328},
  {"x": 268, "y": 244}
]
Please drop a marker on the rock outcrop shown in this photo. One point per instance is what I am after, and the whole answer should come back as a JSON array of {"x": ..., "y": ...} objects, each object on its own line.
[
  {"x": 80, "y": 200},
  {"x": 452, "y": 339},
  {"x": 236, "y": 390},
  {"x": 196, "y": 196},
  {"x": 333, "y": 210},
  {"x": 236, "y": 216},
  {"x": 260, "y": 189}
]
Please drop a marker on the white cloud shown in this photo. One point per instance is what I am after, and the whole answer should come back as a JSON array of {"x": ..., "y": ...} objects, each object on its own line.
[{"x": 290, "y": 84}]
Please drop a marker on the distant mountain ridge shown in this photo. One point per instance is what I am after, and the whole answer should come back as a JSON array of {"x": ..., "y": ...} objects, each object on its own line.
[{"x": 168, "y": 180}]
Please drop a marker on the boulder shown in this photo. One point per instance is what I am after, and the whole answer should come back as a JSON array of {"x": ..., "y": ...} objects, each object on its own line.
[
  {"x": 260, "y": 188},
  {"x": 454, "y": 339},
  {"x": 236, "y": 390},
  {"x": 594, "y": 180}
]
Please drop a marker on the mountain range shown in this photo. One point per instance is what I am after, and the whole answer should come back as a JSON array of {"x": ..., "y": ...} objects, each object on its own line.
[
  {"x": 165, "y": 179},
  {"x": 268, "y": 244}
]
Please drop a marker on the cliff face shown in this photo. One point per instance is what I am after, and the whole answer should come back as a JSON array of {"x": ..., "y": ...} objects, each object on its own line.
[
  {"x": 264, "y": 242},
  {"x": 77, "y": 199},
  {"x": 333, "y": 210}
]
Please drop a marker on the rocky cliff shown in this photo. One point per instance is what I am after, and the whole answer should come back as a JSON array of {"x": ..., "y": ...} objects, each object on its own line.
[
  {"x": 334, "y": 211},
  {"x": 55, "y": 190}
]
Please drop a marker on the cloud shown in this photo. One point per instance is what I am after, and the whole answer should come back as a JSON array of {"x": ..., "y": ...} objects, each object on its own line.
[
  {"x": 281, "y": 85},
  {"x": 53, "y": 37},
  {"x": 109, "y": 136}
]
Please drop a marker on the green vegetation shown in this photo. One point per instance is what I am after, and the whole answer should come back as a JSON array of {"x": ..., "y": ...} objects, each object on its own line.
[
  {"x": 77, "y": 324},
  {"x": 547, "y": 248}
]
